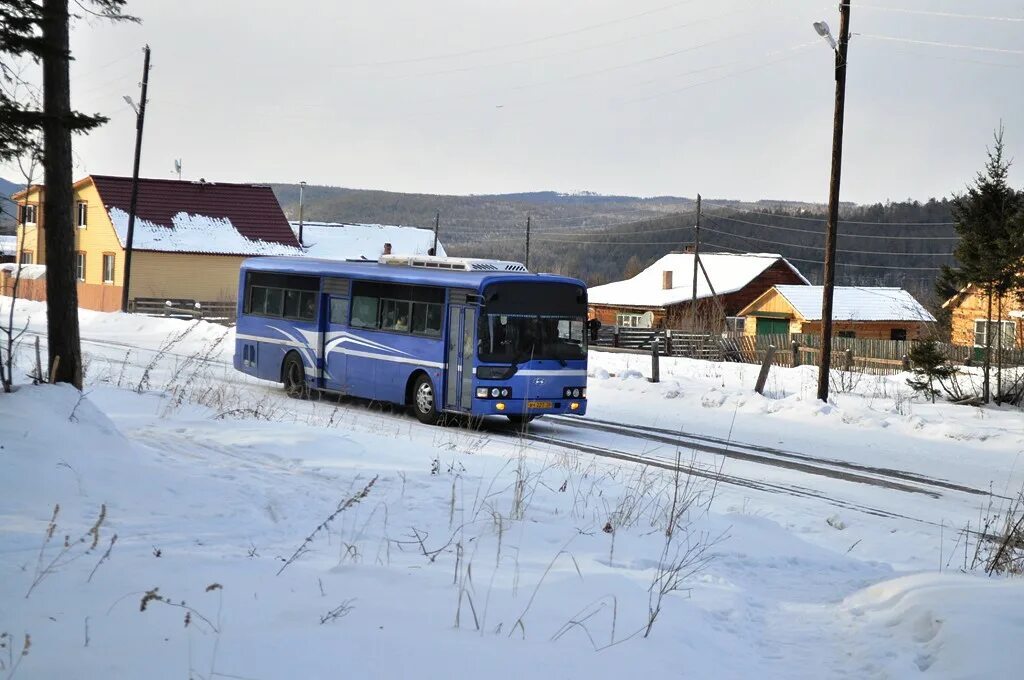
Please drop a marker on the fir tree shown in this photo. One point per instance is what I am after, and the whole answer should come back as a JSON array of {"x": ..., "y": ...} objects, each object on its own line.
[
  {"x": 991, "y": 247},
  {"x": 930, "y": 365}
]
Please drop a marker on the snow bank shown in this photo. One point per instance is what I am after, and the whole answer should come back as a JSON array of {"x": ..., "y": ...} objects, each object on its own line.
[
  {"x": 473, "y": 553},
  {"x": 948, "y": 625},
  {"x": 28, "y": 271}
]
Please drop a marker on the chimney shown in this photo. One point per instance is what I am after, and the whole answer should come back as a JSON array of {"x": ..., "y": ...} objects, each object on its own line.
[
  {"x": 666, "y": 280},
  {"x": 387, "y": 248}
]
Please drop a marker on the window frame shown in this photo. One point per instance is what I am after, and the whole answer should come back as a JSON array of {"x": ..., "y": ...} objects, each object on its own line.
[
  {"x": 1009, "y": 339},
  {"x": 273, "y": 285},
  {"x": 847, "y": 334},
  {"x": 80, "y": 266},
  {"x": 389, "y": 294},
  {"x": 629, "y": 320},
  {"x": 82, "y": 214},
  {"x": 112, "y": 258},
  {"x": 30, "y": 254},
  {"x": 25, "y": 208}
]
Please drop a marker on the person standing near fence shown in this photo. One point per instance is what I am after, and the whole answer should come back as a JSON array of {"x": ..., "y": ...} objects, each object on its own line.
[{"x": 594, "y": 328}]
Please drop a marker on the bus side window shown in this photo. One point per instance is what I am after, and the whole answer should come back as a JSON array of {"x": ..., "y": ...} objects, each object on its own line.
[
  {"x": 339, "y": 311},
  {"x": 364, "y": 312},
  {"x": 426, "y": 319}
]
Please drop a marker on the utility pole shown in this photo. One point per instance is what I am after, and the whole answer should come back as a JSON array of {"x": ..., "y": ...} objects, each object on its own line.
[
  {"x": 696, "y": 265},
  {"x": 829, "y": 275},
  {"x": 527, "y": 263},
  {"x": 437, "y": 225},
  {"x": 302, "y": 185},
  {"x": 140, "y": 120}
]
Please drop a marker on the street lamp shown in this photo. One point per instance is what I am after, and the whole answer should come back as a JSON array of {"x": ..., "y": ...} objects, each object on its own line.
[
  {"x": 140, "y": 119},
  {"x": 829, "y": 270},
  {"x": 822, "y": 28}
]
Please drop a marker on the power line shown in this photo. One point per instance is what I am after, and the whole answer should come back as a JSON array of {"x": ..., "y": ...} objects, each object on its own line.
[
  {"x": 822, "y": 219},
  {"x": 531, "y": 41},
  {"x": 843, "y": 235},
  {"x": 793, "y": 50},
  {"x": 838, "y": 264},
  {"x": 85, "y": 74},
  {"x": 588, "y": 48},
  {"x": 951, "y": 15},
  {"x": 811, "y": 247},
  {"x": 932, "y": 43}
]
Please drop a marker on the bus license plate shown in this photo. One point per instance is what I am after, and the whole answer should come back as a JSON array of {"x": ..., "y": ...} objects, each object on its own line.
[{"x": 539, "y": 404}]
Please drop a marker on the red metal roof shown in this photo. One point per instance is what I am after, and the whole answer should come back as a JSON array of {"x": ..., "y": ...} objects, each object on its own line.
[{"x": 253, "y": 210}]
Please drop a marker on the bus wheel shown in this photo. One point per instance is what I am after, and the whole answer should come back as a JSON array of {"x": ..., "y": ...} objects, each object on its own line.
[
  {"x": 423, "y": 404},
  {"x": 520, "y": 420},
  {"x": 293, "y": 375}
]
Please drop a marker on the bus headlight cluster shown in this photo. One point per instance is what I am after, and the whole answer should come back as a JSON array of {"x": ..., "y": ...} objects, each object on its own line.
[
  {"x": 575, "y": 392},
  {"x": 493, "y": 392}
]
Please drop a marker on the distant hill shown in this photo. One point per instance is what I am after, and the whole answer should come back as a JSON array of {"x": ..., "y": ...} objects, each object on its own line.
[
  {"x": 595, "y": 237},
  {"x": 475, "y": 213},
  {"x": 7, "y": 213}
]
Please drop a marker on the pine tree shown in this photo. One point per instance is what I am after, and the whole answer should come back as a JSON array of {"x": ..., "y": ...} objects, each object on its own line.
[
  {"x": 39, "y": 32},
  {"x": 991, "y": 247}
]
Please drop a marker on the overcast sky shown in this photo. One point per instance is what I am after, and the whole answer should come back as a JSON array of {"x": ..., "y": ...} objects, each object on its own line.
[{"x": 728, "y": 98}]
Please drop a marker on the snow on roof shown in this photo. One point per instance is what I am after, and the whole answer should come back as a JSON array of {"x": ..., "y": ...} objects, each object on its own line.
[
  {"x": 8, "y": 245},
  {"x": 194, "y": 234},
  {"x": 728, "y": 273},
  {"x": 252, "y": 209},
  {"x": 855, "y": 303},
  {"x": 344, "y": 241}
]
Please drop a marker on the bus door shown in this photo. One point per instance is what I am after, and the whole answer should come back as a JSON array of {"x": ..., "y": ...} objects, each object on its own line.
[
  {"x": 332, "y": 365},
  {"x": 458, "y": 388}
]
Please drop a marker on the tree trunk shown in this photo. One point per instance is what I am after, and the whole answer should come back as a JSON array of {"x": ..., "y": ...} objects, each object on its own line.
[
  {"x": 987, "y": 363},
  {"x": 61, "y": 287},
  {"x": 999, "y": 346}
]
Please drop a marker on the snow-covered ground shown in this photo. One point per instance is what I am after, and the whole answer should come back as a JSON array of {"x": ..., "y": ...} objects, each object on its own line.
[{"x": 480, "y": 553}]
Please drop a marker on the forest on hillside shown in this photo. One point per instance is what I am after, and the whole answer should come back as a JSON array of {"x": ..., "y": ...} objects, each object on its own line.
[
  {"x": 607, "y": 238},
  {"x": 894, "y": 244}
]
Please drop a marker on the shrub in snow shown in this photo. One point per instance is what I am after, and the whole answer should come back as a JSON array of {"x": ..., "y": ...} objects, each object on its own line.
[{"x": 930, "y": 367}]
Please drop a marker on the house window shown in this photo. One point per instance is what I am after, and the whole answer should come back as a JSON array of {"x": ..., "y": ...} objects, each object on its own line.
[
  {"x": 630, "y": 320},
  {"x": 898, "y": 334},
  {"x": 27, "y": 257},
  {"x": 80, "y": 266},
  {"x": 83, "y": 214},
  {"x": 1008, "y": 336},
  {"x": 27, "y": 213},
  {"x": 108, "y": 267},
  {"x": 735, "y": 324},
  {"x": 846, "y": 334}
]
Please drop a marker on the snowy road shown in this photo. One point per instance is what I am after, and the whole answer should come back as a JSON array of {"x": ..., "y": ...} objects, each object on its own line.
[{"x": 750, "y": 467}]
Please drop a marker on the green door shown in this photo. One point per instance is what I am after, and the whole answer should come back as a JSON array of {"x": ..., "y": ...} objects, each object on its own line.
[{"x": 768, "y": 326}]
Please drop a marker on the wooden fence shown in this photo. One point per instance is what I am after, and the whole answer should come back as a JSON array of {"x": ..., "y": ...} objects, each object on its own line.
[
  {"x": 881, "y": 357},
  {"x": 216, "y": 312}
]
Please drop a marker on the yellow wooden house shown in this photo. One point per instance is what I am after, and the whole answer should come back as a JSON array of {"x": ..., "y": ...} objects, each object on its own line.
[
  {"x": 969, "y": 313},
  {"x": 189, "y": 238},
  {"x": 857, "y": 312}
]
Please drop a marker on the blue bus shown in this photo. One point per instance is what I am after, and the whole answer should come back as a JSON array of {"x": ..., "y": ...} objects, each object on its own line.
[{"x": 436, "y": 334}]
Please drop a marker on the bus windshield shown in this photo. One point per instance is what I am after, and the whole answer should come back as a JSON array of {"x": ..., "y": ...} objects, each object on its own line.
[
  {"x": 509, "y": 339},
  {"x": 521, "y": 321}
]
